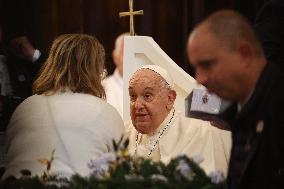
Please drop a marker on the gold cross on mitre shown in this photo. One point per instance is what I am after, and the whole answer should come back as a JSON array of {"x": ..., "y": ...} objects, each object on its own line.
[{"x": 131, "y": 14}]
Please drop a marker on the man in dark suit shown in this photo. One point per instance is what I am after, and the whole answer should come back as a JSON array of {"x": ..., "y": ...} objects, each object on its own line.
[
  {"x": 229, "y": 61},
  {"x": 269, "y": 25},
  {"x": 20, "y": 36}
]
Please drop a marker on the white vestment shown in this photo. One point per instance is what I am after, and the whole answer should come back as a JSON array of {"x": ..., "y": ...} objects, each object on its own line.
[
  {"x": 185, "y": 136},
  {"x": 77, "y": 126},
  {"x": 113, "y": 86}
]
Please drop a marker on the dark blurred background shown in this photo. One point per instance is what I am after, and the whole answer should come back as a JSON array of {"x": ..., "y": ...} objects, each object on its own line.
[{"x": 168, "y": 22}]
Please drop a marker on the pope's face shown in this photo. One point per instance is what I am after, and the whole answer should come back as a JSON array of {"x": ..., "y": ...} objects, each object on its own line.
[
  {"x": 150, "y": 101},
  {"x": 218, "y": 68}
]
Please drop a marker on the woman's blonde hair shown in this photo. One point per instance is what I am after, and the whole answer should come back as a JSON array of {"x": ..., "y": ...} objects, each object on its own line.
[{"x": 76, "y": 63}]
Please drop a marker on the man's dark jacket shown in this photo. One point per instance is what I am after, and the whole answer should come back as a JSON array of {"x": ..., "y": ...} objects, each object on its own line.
[
  {"x": 257, "y": 156},
  {"x": 269, "y": 25}
]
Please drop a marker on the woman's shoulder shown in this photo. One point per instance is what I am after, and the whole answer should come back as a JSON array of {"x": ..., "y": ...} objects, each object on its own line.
[
  {"x": 32, "y": 100},
  {"x": 31, "y": 106},
  {"x": 97, "y": 103}
]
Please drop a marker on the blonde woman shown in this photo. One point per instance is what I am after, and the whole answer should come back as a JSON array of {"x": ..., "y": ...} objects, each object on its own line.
[{"x": 67, "y": 112}]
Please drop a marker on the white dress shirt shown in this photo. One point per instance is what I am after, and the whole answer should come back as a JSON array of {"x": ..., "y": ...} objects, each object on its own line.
[{"x": 113, "y": 86}]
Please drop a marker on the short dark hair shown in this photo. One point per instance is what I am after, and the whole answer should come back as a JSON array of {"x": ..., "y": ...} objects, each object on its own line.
[{"x": 229, "y": 27}]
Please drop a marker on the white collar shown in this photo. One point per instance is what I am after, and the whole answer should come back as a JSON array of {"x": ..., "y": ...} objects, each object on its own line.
[
  {"x": 156, "y": 136},
  {"x": 241, "y": 105}
]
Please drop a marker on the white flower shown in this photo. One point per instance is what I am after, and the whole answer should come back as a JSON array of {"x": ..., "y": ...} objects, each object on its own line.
[
  {"x": 216, "y": 177},
  {"x": 158, "y": 177},
  {"x": 133, "y": 177},
  {"x": 198, "y": 159},
  {"x": 100, "y": 166},
  {"x": 159, "y": 168},
  {"x": 185, "y": 170},
  {"x": 58, "y": 183}
]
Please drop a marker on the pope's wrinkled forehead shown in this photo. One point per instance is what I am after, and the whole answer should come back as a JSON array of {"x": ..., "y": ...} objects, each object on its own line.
[{"x": 147, "y": 78}]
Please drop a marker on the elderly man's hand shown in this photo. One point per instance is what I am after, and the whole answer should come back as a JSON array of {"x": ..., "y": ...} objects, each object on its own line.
[{"x": 22, "y": 48}]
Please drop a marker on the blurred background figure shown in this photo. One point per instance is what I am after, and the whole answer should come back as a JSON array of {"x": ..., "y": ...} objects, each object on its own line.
[
  {"x": 22, "y": 44},
  {"x": 114, "y": 83},
  {"x": 269, "y": 25},
  {"x": 20, "y": 47},
  {"x": 5, "y": 85},
  {"x": 5, "y": 90}
]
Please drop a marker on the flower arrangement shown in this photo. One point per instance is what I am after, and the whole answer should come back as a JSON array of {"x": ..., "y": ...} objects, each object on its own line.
[{"x": 120, "y": 171}]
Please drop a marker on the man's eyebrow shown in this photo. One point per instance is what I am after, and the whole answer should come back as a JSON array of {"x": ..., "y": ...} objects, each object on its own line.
[{"x": 148, "y": 88}]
